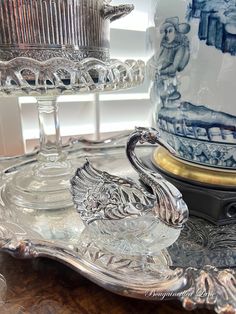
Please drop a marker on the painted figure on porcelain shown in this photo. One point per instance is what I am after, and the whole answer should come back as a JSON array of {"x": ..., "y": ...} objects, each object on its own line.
[{"x": 173, "y": 58}]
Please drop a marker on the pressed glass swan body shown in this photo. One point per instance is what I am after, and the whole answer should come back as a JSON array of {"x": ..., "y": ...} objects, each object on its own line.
[{"x": 126, "y": 217}]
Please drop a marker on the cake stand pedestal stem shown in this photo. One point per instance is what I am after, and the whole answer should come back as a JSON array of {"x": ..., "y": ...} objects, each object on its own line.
[
  {"x": 97, "y": 117},
  {"x": 50, "y": 137}
]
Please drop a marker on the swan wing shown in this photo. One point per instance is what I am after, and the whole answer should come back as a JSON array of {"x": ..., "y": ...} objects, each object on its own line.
[
  {"x": 170, "y": 207},
  {"x": 100, "y": 195}
]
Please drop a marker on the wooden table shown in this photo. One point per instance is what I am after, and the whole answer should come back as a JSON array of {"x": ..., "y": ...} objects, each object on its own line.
[{"x": 44, "y": 286}]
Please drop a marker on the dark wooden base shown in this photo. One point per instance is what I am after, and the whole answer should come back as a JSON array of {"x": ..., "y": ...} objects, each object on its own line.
[{"x": 214, "y": 204}]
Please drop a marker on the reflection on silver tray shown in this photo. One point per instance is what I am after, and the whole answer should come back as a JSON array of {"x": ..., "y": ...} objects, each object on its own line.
[{"x": 199, "y": 269}]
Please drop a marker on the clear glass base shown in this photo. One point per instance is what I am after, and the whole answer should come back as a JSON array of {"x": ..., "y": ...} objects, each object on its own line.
[
  {"x": 140, "y": 236},
  {"x": 44, "y": 186}
]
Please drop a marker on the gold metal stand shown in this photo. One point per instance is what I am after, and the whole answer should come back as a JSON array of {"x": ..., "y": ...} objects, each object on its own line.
[{"x": 191, "y": 172}]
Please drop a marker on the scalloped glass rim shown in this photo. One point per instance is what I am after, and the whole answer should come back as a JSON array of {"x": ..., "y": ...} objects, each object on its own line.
[{"x": 58, "y": 76}]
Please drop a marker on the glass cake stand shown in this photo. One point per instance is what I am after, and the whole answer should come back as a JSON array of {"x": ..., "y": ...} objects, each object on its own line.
[{"x": 45, "y": 183}]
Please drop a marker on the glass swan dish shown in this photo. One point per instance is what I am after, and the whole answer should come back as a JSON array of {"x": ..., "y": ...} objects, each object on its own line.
[{"x": 124, "y": 217}]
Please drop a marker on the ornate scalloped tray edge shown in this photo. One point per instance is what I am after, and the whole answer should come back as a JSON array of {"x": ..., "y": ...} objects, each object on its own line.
[
  {"x": 198, "y": 270},
  {"x": 194, "y": 287}
]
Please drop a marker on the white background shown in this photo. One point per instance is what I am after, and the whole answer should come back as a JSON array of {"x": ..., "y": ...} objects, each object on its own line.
[{"x": 121, "y": 110}]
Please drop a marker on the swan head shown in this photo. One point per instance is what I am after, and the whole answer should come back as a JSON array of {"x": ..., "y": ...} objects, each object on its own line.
[
  {"x": 148, "y": 135},
  {"x": 152, "y": 136}
]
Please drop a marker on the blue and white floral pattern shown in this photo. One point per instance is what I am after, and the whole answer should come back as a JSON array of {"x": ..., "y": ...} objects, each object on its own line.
[
  {"x": 217, "y": 23},
  {"x": 197, "y": 132},
  {"x": 206, "y": 153},
  {"x": 199, "y": 122},
  {"x": 200, "y": 134}
]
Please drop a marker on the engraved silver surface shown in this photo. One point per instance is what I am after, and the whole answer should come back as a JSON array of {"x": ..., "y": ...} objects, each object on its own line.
[
  {"x": 198, "y": 270},
  {"x": 44, "y": 29}
]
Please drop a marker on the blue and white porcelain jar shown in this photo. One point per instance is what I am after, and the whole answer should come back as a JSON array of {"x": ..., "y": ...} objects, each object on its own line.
[{"x": 193, "y": 73}]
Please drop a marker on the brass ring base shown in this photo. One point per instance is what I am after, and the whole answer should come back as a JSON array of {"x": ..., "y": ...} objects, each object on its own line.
[{"x": 190, "y": 172}]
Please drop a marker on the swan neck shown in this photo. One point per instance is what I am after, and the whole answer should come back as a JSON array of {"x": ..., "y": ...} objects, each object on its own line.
[{"x": 131, "y": 155}]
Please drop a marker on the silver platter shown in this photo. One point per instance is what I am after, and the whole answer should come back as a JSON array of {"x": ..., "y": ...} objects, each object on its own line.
[{"x": 198, "y": 270}]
